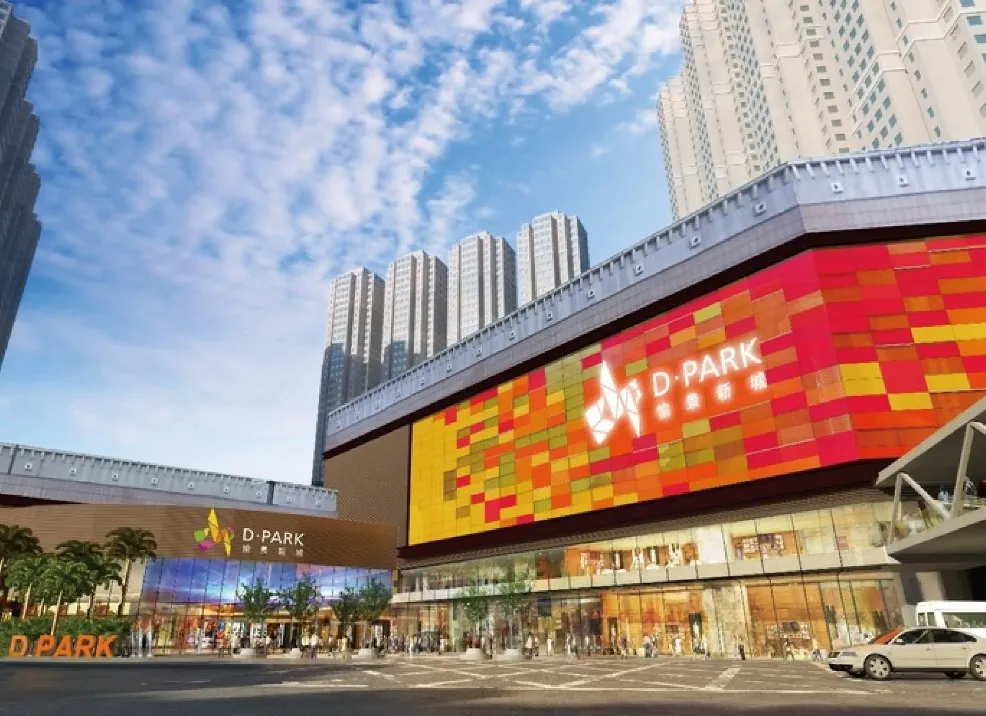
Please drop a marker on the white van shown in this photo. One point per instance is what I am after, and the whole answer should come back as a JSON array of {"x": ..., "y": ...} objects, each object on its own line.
[{"x": 968, "y": 616}]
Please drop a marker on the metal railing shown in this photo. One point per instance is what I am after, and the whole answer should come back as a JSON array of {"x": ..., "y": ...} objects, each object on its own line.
[{"x": 947, "y": 506}]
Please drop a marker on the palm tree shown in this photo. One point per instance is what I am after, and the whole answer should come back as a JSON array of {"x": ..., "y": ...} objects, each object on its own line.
[
  {"x": 15, "y": 542},
  {"x": 103, "y": 572},
  {"x": 64, "y": 581},
  {"x": 24, "y": 574},
  {"x": 129, "y": 545}
]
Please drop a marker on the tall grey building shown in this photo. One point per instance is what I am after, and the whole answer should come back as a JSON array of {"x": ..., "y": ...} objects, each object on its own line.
[
  {"x": 551, "y": 250},
  {"x": 482, "y": 284},
  {"x": 414, "y": 312},
  {"x": 764, "y": 82},
  {"x": 351, "y": 360},
  {"x": 19, "y": 182}
]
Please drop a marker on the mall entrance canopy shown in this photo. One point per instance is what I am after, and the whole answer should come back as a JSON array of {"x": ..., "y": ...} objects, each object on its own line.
[{"x": 939, "y": 516}]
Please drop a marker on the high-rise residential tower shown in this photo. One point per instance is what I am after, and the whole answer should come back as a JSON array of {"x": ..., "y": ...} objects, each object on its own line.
[
  {"x": 351, "y": 360},
  {"x": 768, "y": 81},
  {"x": 19, "y": 182},
  {"x": 551, "y": 250},
  {"x": 482, "y": 284},
  {"x": 414, "y": 312}
]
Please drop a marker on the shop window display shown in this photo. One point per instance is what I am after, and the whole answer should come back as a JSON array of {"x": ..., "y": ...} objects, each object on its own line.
[{"x": 781, "y": 617}]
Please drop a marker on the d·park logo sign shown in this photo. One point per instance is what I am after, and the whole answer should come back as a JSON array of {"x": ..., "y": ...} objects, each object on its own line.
[
  {"x": 250, "y": 540},
  {"x": 616, "y": 403}
]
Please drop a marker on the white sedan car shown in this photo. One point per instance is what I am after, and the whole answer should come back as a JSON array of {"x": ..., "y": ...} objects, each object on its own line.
[{"x": 952, "y": 652}]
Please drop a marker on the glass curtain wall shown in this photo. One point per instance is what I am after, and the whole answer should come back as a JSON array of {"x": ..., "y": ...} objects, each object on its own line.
[
  {"x": 187, "y": 604},
  {"x": 783, "y": 617}
]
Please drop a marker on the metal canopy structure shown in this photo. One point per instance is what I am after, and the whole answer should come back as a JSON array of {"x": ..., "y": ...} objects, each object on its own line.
[{"x": 943, "y": 472}]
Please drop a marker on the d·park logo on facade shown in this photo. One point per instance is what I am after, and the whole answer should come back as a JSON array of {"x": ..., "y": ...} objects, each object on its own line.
[
  {"x": 251, "y": 540},
  {"x": 616, "y": 402}
]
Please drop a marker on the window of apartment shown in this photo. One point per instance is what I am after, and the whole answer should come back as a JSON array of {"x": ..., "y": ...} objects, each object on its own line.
[
  {"x": 840, "y": 137},
  {"x": 824, "y": 82},
  {"x": 870, "y": 126},
  {"x": 836, "y": 122},
  {"x": 878, "y": 115},
  {"x": 982, "y": 110},
  {"x": 938, "y": 132},
  {"x": 884, "y": 132},
  {"x": 981, "y": 39},
  {"x": 967, "y": 3},
  {"x": 917, "y": 75},
  {"x": 886, "y": 103},
  {"x": 969, "y": 69},
  {"x": 924, "y": 93},
  {"x": 963, "y": 50},
  {"x": 892, "y": 121},
  {"x": 974, "y": 19},
  {"x": 898, "y": 139},
  {"x": 931, "y": 112},
  {"x": 977, "y": 89},
  {"x": 829, "y": 95}
]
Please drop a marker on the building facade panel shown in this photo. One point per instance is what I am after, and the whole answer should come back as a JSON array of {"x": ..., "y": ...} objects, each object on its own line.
[{"x": 833, "y": 356}]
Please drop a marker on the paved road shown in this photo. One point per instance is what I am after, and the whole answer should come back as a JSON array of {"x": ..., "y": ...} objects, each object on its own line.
[{"x": 450, "y": 687}]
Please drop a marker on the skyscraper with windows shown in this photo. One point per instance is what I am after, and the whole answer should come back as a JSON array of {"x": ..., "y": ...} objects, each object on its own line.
[
  {"x": 351, "y": 360},
  {"x": 767, "y": 81},
  {"x": 551, "y": 250},
  {"x": 414, "y": 313},
  {"x": 19, "y": 182},
  {"x": 482, "y": 288}
]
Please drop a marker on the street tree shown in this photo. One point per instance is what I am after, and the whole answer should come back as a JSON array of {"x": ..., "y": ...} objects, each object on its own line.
[
  {"x": 347, "y": 609},
  {"x": 512, "y": 599},
  {"x": 374, "y": 598},
  {"x": 257, "y": 606},
  {"x": 301, "y": 600},
  {"x": 475, "y": 603}
]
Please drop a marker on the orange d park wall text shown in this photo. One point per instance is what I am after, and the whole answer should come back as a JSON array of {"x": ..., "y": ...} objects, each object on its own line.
[
  {"x": 833, "y": 356},
  {"x": 84, "y": 646}
]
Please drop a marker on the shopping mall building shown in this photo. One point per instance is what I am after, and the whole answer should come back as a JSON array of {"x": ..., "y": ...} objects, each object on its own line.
[
  {"x": 214, "y": 534},
  {"x": 684, "y": 443}
]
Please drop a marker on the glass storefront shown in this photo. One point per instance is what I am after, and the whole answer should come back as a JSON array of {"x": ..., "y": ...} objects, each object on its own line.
[
  {"x": 833, "y": 538},
  {"x": 188, "y": 604},
  {"x": 787, "y": 617}
]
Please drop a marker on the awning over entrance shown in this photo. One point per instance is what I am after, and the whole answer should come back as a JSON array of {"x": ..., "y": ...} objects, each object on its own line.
[{"x": 943, "y": 475}]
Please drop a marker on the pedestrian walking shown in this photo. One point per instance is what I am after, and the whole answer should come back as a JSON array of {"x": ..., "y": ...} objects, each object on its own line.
[{"x": 551, "y": 645}]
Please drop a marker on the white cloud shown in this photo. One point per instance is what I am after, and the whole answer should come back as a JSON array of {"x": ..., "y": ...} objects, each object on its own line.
[
  {"x": 598, "y": 151},
  {"x": 206, "y": 170},
  {"x": 643, "y": 122}
]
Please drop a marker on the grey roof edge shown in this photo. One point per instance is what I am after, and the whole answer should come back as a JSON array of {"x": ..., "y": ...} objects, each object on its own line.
[
  {"x": 886, "y": 477},
  {"x": 851, "y": 182},
  {"x": 86, "y": 469}
]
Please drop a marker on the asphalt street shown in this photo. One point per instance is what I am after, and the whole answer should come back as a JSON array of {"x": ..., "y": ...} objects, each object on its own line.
[{"x": 429, "y": 685}]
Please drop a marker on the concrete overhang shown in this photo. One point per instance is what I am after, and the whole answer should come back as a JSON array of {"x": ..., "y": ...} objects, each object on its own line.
[
  {"x": 935, "y": 461},
  {"x": 957, "y": 543}
]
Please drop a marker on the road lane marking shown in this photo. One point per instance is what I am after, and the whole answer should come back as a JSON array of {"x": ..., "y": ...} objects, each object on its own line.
[{"x": 722, "y": 681}]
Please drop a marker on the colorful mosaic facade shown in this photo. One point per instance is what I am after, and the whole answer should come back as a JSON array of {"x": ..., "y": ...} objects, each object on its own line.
[{"x": 833, "y": 356}]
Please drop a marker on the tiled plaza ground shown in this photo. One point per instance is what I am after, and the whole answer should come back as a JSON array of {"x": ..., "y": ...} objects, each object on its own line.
[{"x": 443, "y": 686}]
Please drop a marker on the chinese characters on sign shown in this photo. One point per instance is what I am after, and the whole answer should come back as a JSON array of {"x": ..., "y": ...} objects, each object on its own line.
[{"x": 615, "y": 403}]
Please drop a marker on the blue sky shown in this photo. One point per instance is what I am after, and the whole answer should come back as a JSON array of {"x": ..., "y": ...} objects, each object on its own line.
[{"x": 207, "y": 167}]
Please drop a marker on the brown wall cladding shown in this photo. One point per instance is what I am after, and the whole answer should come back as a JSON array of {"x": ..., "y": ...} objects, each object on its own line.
[
  {"x": 326, "y": 541},
  {"x": 372, "y": 481}
]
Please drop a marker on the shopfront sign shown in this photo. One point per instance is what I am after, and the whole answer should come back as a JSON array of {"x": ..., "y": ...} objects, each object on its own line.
[
  {"x": 721, "y": 366},
  {"x": 84, "y": 646},
  {"x": 253, "y": 540}
]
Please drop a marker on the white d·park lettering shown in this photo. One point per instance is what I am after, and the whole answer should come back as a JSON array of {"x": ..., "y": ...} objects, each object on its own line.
[
  {"x": 282, "y": 537},
  {"x": 730, "y": 359}
]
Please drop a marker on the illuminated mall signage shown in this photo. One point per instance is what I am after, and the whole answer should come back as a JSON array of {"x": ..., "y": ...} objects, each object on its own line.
[
  {"x": 249, "y": 540},
  {"x": 84, "y": 646},
  {"x": 722, "y": 366}
]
